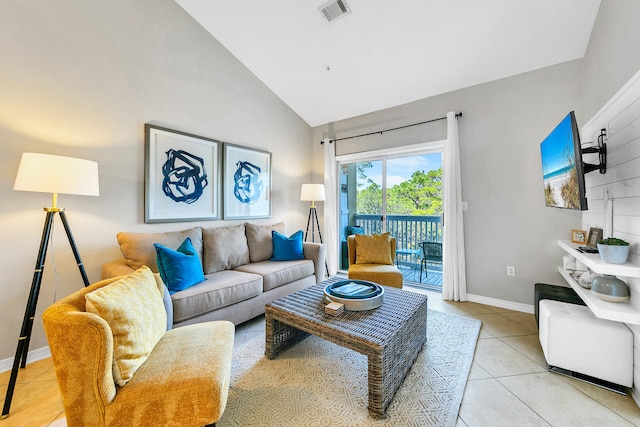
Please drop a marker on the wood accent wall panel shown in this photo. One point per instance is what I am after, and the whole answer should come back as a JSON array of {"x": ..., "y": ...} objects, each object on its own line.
[{"x": 620, "y": 186}]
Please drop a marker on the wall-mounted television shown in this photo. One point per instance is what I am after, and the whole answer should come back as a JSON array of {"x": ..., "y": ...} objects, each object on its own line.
[{"x": 562, "y": 166}]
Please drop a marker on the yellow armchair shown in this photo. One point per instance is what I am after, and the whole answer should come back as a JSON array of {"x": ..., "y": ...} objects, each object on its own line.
[
  {"x": 183, "y": 382},
  {"x": 377, "y": 263}
]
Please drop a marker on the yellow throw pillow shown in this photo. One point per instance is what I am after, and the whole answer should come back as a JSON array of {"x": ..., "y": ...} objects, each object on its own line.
[
  {"x": 133, "y": 308},
  {"x": 373, "y": 249}
]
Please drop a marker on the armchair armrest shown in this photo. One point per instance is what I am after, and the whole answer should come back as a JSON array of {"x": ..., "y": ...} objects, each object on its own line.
[{"x": 86, "y": 382}]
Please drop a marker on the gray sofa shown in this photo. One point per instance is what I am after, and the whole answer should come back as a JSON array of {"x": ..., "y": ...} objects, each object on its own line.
[{"x": 240, "y": 278}]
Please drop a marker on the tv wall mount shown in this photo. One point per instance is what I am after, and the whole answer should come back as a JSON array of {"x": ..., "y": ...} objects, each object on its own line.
[{"x": 601, "y": 149}]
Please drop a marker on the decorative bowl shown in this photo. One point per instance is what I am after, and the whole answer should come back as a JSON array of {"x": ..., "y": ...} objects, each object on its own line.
[
  {"x": 356, "y": 295},
  {"x": 610, "y": 288}
]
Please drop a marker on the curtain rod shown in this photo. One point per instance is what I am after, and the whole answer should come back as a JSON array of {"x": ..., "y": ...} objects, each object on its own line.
[{"x": 458, "y": 115}]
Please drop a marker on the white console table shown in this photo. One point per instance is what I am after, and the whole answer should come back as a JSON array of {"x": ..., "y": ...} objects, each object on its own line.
[{"x": 620, "y": 311}]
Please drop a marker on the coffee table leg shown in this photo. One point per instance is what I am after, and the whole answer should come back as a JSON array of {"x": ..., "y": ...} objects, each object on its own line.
[
  {"x": 388, "y": 370},
  {"x": 279, "y": 336},
  {"x": 377, "y": 386}
]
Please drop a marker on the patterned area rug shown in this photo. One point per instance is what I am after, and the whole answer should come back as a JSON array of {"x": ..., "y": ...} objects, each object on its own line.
[{"x": 318, "y": 383}]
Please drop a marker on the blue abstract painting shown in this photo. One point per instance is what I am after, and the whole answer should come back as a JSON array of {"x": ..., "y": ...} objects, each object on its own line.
[
  {"x": 184, "y": 176},
  {"x": 247, "y": 183}
]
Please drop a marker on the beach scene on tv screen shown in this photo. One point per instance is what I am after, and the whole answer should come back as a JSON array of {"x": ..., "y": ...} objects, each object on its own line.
[{"x": 559, "y": 168}]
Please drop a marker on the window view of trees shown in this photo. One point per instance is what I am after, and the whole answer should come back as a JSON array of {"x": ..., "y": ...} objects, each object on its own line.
[
  {"x": 420, "y": 195},
  {"x": 413, "y": 203}
]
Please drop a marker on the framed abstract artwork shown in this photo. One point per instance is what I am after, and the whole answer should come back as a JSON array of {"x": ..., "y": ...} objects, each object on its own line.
[
  {"x": 182, "y": 176},
  {"x": 247, "y": 182}
]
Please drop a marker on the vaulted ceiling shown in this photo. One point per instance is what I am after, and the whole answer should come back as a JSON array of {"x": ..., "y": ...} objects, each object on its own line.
[{"x": 387, "y": 53}]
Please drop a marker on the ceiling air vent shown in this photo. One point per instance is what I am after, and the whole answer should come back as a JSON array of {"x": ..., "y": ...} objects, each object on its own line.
[{"x": 334, "y": 9}]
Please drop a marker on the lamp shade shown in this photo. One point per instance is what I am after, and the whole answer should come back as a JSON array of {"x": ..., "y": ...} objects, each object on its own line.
[
  {"x": 312, "y": 193},
  {"x": 47, "y": 173}
]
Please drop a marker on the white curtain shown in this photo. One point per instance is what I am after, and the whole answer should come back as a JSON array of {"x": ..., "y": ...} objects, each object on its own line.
[
  {"x": 330, "y": 207},
  {"x": 454, "y": 285}
]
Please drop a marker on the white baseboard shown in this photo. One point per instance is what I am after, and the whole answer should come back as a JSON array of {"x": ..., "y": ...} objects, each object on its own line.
[
  {"x": 32, "y": 356},
  {"x": 510, "y": 305}
]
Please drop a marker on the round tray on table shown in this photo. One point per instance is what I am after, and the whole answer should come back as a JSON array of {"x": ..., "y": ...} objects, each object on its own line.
[{"x": 356, "y": 295}]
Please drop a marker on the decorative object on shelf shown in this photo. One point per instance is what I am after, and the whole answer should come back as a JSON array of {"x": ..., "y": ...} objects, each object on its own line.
[
  {"x": 45, "y": 173},
  {"x": 595, "y": 235},
  {"x": 609, "y": 288},
  {"x": 247, "y": 182},
  {"x": 569, "y": 263},
  {"x": 182, "y": 176},
  {"x": 613, "y": 250},
  {"x": 584, "y": 278},
  {"x": 579, "y": 236}
]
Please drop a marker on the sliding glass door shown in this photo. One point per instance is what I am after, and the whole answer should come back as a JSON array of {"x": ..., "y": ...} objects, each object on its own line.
[{"x": 401, "y": 195}]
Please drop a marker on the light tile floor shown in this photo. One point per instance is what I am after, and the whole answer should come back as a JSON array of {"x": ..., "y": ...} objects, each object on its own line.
[{"x": 508, "y": 384}]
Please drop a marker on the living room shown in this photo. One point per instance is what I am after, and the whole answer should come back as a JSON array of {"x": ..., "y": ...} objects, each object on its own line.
[{"x": 82, "y": 78}]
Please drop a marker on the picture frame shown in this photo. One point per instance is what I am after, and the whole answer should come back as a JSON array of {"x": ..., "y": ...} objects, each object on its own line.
[
  {"x": 182, "y": 176},
  {"x": 595, "y": 235},
  {"x": 579, "y": 236},
  {"x": 247, "y": 182}
]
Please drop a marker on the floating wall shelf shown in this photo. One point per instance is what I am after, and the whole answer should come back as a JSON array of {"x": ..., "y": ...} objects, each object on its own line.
[{"x": 616, "y": 311}]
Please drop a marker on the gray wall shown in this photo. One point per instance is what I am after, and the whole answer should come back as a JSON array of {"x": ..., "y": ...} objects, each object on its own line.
[
  {"x": 613, "y": 55},
  {"x": 81, "y": 79}
]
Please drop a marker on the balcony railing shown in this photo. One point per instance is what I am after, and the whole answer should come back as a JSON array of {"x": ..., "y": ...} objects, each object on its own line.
[{"x": 409, "y": 231}]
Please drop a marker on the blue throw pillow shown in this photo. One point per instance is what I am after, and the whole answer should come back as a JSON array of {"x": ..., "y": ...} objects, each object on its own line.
[
  {"x": 287, "y": 248},
  {"x": 180, "y": 268},
  {"x": 354, "y": 229}
]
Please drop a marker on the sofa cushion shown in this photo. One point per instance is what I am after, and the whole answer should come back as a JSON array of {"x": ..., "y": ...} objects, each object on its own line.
[
  {"x": 133, "y": 308},
  {"x": 219, "y": 290},
  {"x": 373, "y": 249},
  {"x": 259, "y": 240},
  {"x": 137, "y": 248},
  {"x": 287, "y": 248},
  {"x": 278, "y": 273},
  {"x": 184, "y": 382},
  {"x": 224, "y": 248},
  {"x": 180, "y": 268}
]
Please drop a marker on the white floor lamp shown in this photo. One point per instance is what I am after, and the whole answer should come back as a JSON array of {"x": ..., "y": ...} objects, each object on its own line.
[
  {"x": 47, "y": 173},
  {"x": 312, "y": 193}
]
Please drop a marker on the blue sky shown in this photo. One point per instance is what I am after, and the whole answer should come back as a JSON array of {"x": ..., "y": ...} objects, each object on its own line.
[
  {"x": 553, "y": 146},
  {"x": 400, "y": 169}
]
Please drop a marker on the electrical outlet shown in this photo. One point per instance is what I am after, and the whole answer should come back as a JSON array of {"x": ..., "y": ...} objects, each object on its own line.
[{"x": 511, "y": 270}]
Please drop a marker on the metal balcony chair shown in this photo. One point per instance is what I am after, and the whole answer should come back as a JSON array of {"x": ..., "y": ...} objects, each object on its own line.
[{"x": 431, "y": 254}]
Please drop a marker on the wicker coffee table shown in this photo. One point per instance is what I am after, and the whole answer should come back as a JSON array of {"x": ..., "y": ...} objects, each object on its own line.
[{"x": 391, "y": 336}]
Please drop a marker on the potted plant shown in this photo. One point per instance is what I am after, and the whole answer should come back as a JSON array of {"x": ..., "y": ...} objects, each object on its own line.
[{"x": 613, "y": 250}]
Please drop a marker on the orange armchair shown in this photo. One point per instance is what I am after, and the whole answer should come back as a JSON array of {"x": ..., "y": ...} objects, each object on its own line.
[
  {"x": 184, "y": 381},
  {"x": 371, "y": 257}
]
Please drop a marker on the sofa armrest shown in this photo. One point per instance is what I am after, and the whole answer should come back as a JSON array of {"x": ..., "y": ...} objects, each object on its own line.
[
  {"x": 81, "y": 346},
  {"x": 316, "y": 252},
  {"x": 115, "y": 269}
]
